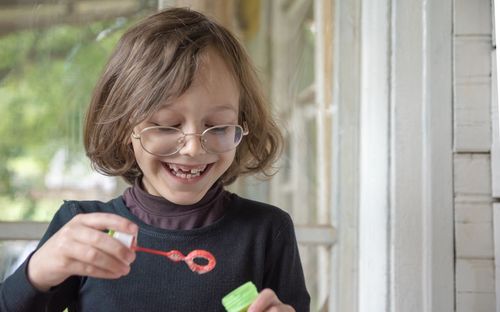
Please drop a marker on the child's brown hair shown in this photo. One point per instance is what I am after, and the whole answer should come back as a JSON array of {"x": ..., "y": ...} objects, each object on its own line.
[{"x": 156, "y": 61}]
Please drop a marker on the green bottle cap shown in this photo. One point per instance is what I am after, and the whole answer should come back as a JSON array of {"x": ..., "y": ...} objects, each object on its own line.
[{"x": 241, "y": 298}]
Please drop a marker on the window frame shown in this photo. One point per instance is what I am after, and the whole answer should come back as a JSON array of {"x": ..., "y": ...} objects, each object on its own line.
[{"x": 22, "y": 230}]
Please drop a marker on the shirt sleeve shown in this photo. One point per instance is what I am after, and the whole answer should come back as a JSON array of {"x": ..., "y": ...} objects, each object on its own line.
[
  {"x": 283, "y": 273},
  {"x": 17, "y": 293}
]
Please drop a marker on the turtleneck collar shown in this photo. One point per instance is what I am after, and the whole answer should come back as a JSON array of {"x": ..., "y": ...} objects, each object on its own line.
[{"x": 160, "y": 212}]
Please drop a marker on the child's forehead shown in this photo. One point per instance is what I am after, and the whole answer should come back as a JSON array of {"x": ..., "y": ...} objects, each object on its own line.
[
  {"x": 212, "y": 58},
  {"x": 213, "y": 88}
]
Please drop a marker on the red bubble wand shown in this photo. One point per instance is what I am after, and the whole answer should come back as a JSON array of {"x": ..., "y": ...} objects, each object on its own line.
[{"x": 173, "y": 255}]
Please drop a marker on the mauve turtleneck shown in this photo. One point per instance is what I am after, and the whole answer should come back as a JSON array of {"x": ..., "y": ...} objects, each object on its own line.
[{"x": 159, "y": 212}]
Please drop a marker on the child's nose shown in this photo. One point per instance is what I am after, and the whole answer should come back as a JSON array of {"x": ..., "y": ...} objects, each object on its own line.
[{"x": 192, "y": 146}]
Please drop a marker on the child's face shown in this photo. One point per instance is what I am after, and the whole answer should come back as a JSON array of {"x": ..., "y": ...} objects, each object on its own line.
[{"x": 211, "y": 100}]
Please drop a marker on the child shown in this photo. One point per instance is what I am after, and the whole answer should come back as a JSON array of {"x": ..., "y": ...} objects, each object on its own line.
[{"x": 178, "y": 113}]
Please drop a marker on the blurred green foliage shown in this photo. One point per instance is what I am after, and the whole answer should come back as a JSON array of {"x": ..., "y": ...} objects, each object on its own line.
[{"x": 46, "y": 80}]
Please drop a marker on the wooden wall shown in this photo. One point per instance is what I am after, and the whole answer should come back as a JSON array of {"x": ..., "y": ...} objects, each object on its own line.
[{"x": 473, "y": 198}]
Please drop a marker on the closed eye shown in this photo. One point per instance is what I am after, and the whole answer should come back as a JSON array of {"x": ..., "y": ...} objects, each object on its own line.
[
  {"x": 177, "y": 126},
  {"x": 167, "y": 129},
  {"x": 221, "y": 129}
]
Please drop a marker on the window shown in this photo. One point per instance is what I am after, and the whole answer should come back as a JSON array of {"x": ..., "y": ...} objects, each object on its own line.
[{"x": 47, "y": 73}]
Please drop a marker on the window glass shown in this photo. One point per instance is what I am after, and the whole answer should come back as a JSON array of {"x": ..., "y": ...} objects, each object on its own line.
[
  {"x": 51, "y": 53},
  {"x": 13, "y": 254}
]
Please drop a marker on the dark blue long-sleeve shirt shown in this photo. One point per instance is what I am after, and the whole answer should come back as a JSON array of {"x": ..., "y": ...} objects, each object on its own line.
[{"x": 251, "y": 242}]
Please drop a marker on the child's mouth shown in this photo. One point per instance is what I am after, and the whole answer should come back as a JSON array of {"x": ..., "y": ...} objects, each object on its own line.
[{"x": 187, "y": 172}]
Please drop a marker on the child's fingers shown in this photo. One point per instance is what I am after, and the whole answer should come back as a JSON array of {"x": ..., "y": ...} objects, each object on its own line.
[
  {"x": 103, "y": 242},
  {"x": 87, "y": 260},
  {"x": 84, "y": 269},
  {"x": 81, "y": 247},
  {"x": 106, "y": 221},
  {"x": 268, "y": 301}
]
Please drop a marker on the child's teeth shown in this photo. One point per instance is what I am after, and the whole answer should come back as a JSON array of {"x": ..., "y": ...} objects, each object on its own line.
[
  {"x": 186, "y": 173},
  {"x": 173, "y": 167}
]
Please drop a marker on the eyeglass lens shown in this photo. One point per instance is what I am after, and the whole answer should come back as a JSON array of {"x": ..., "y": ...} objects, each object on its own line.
[{"x": 167, "y": 141}]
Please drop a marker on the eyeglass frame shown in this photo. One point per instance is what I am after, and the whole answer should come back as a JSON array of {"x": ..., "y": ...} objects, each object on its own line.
[{"x": 243, "y": 128}]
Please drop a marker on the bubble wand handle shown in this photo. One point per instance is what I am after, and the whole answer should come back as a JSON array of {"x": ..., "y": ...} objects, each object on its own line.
[{"x": 173, "y": 255}]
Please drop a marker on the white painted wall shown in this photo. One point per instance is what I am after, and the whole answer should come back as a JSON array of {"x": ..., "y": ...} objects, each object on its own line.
[
  {"x": 472, "y": 158},
  {"x": 443, "y": 176}
]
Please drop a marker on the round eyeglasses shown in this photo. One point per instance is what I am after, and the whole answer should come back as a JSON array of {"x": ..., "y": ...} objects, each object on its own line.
[{"x": 166, "y": 141}]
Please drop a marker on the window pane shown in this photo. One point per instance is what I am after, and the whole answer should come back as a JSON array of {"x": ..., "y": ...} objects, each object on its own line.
[
  {"x": 317, "y": 270},
  {"x": 13, "y": 254},
  {"x": 51, "y": 53}
]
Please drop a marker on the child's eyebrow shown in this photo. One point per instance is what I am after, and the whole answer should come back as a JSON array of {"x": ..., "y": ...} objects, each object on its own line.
[
  {"x": 225, "y": 107},
  {"x": 216, "y": 109}
]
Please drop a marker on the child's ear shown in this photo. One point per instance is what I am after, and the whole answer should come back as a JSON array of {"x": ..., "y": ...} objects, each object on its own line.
[
  {"x": 128, "y": 140},
  {"x": 128, "y": 143}
]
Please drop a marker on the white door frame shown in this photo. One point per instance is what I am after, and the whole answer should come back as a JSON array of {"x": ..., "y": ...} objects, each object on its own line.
[{"x": 406, "y": 253}]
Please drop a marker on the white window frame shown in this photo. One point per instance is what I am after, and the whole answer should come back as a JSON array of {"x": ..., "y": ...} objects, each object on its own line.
[{"x": 22, "y": 230}]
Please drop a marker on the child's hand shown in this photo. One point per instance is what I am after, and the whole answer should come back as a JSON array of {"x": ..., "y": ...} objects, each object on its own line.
[
  {"x": 267, "y": 301},
  {"x": 80, "y": 247}
]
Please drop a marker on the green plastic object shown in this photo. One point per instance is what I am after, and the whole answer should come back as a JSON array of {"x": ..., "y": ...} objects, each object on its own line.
[{"x": 241, "y": 298}]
